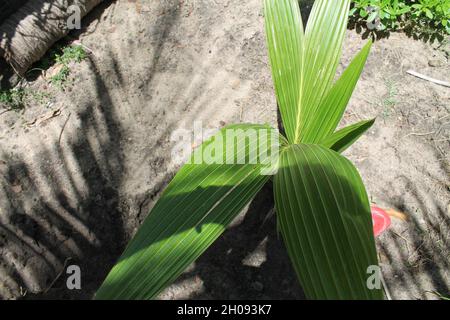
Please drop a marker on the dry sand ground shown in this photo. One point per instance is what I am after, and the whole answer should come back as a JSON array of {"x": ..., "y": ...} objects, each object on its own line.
[{"x": 82, "y": 168}]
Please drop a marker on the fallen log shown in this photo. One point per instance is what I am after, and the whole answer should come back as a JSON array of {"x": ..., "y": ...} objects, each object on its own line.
[{"x": 32, "y": 29}]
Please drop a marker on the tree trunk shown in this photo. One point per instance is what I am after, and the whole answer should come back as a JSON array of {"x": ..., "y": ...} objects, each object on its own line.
[{"x": 32, "y": 29}]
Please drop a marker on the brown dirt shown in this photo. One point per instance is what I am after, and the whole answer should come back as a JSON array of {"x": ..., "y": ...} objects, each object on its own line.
[{"x": 83, "y": 167}]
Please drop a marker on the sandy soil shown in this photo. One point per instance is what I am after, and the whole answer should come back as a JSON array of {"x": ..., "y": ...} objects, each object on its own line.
[{"x": 83, "y": 167}]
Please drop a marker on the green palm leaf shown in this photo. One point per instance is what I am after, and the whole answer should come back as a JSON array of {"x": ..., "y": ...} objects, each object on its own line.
[
  {"x": 324, "y": 217},
  {"x": 284, "y": 32},
  {"x": 303, "y": 63},
  {"x": 324, "y": 36},
  {"x": 344, "y": 138},
  {"x": 193, "y": 211},
  {"x": 325, "y": 119}
]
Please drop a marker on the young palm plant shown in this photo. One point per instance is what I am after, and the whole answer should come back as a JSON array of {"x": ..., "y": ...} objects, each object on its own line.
[{"x": 322, "y": 207}]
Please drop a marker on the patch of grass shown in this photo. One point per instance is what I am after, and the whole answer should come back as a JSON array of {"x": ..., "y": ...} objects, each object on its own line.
[
  {"x": 12, "y": 98},
  {"x": 40, "y": 97},
  {"x": 61, "y": 77},
  {"x": 389, "y": 100},
  {"x": 71, "y": 53},
  {"x": 16, "y": 98},
  {"x": 64, "y": 56}
]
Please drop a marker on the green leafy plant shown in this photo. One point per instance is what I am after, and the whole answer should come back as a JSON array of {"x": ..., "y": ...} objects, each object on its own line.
[
  {"x": 435, "y": 12},
  {"x": 429, "y": 16},
  {"x": 74, "y": 53},
  {"x": 322, "y": 207},
  {"x": 61, "y": 76},
  {"x": 12, "y": 98},
  {"x": 19, "y": 97}
]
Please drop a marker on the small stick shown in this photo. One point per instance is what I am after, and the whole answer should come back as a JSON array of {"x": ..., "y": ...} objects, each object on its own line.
[
  {"x": 406, "y": 240},
  {"x": 397, "y": 214},
  {"x": 419, "y": 134},
  {"x": 421, "y": 76},
  {"x": 58, "y": 275},
  {"x": 386, "y": 290},
  {"x": 60, "y": 134},
  {"x": 5, "y": 111}
]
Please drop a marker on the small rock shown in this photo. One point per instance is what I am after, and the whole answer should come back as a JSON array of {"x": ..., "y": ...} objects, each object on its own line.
[
  {"x": 435, "y": 63},
  {"x": 16, "y": 188},
  {"x": 235, "y": 84},
  {"x": 258, "y": 286}
]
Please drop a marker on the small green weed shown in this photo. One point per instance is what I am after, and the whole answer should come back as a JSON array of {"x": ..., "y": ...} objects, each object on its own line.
[
  {"x": 61, "y": 77},
  {"x": 66, "y": 55},
  {"x": 17, "y": 98},
  {"x": 389, "y": 100},
  {"x": 75, "y": 53},
  {"x": 12, "y": 98}
]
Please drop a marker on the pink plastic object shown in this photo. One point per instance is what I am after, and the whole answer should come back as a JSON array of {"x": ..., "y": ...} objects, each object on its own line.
[{"x": 381, "y": 220}]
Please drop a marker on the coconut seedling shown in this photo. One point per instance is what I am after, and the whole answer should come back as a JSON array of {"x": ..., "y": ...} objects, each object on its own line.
[{"x": 322, "y": 208}]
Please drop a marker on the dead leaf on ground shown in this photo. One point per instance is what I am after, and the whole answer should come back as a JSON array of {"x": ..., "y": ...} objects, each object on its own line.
[{"x": 397, "y": 214}]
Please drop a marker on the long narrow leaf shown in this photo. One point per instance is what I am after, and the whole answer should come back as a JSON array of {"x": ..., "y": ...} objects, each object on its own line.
[
  {"x": 325, "y": 220},
  {"x": 324, "y": 36},
  {"x": 192, "y": 212},
  {"x": 326, "y": 117},
  {"x": 344, "y": 138},
  {"x": 284, "y": 32},
  {"x": 303, "y": 63}
]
